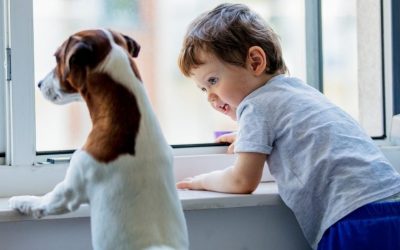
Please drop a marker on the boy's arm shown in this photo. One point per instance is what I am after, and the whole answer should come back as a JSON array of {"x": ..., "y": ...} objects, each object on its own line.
[
  {"x": 242, "y": 178},
  {"x": 229, "y": 138}
]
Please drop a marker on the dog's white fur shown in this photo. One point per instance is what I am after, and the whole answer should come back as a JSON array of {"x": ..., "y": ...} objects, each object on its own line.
[{"x": 133, "y": 200}]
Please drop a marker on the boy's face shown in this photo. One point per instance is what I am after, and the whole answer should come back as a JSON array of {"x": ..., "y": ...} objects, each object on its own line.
[{"x": 226, "y": 85}]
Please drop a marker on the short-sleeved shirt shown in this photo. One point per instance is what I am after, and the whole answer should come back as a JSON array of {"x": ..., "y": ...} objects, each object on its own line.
[{"x": 324, "y": 164}]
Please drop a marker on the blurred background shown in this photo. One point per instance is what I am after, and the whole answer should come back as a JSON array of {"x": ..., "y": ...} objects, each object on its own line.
[{"x": 159, "y": 27}]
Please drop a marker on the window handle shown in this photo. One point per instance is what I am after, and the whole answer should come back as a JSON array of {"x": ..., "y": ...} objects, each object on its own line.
[{"x": 58, "y": 160}]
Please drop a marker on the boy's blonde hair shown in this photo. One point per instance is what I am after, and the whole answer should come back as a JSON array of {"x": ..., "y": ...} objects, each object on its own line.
[{"x": 227, "y": 32}]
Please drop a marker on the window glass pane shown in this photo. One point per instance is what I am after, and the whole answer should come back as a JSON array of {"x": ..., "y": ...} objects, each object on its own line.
[
  {"x": 159, "y": 26},
  {"x": 2, "y": 93},
  {"x": 2, "y": 116},
  {"x": 352, "y": 69},
  {"x": 395, "y": 37}
]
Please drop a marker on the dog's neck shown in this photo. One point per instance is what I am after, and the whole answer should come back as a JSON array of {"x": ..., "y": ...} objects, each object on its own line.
[{"x": 115, "y": 116}]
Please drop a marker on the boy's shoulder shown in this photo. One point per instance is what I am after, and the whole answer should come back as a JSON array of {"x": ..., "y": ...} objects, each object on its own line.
[
  {"x": 278, "y": 87},
  {"x": 282, "y": 95}
]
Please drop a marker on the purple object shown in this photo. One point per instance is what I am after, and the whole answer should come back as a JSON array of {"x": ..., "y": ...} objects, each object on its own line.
[{"x": 222, "y": 132}]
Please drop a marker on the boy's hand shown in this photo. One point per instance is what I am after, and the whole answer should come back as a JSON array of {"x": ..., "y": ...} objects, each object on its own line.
[
  {"x": 241, "y": 178},
  {"x": 228, "y": 138},
  {"x": 191, "y": 183}
]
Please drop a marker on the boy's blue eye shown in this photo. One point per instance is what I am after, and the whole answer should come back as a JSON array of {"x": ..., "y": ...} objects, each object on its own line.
[
  {"x": 212, "y": 80},
  {"x": 203, "y": 89}
]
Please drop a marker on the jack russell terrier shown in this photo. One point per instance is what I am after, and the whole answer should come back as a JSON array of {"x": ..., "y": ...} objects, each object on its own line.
[{"x": 124, "y": 170}]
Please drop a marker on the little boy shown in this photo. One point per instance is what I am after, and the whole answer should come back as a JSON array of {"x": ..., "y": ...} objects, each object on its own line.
[{"x": 329, "y": 172}]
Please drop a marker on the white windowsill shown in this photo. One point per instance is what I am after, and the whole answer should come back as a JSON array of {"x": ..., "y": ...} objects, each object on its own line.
[
  {"x": 37, "y": 180},
  {"x": 40, "y": 179},
  {"x": 265, "y": 195}
]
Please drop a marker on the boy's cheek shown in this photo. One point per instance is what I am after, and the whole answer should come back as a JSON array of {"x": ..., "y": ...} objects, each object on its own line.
[
  {"x": 233, "y": 116},
  {"x": 215, "y": 107},
  {"x": 231, "y": 113}
]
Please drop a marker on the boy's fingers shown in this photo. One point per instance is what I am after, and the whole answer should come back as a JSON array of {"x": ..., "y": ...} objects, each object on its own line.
[
  {"x": 224, "y": 139},
  {"x": 220, "y": 139},
  {"x": 190, "y": 183},
  {"x": 231, "y": 148},
  {"x": 229, "y": 138},
  {"x": 183, "y": 185}
]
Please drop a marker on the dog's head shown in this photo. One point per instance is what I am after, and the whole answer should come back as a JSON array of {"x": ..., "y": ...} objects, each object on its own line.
[{"x": 80, "y": 55}]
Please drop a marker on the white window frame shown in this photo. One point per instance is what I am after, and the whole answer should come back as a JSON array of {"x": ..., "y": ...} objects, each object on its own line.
[
  {"x": 20, "y": 173},
  {"x": 2, "y": 95},
  {"x": 20, "y": 109},
  {"x": 388, "y": 67}
]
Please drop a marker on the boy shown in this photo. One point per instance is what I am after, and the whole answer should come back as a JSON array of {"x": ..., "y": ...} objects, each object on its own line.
[{"x": 328, "y": 171}]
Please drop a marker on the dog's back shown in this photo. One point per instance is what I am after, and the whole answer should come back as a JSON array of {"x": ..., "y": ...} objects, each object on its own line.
[
  {"x": 124, "y": 170},
  {"x": 133, "y": 198}
]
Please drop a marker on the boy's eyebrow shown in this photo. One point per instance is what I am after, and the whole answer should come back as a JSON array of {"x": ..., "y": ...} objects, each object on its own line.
[{"x": 204, "y": 79}]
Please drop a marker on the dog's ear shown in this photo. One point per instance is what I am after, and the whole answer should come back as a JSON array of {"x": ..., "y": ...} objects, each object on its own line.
[
  {"x": 79, "y": 55},
  {"x": 133, "y": 46}
]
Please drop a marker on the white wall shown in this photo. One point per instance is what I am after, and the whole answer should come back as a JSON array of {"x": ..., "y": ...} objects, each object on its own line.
[{"x": 252, "y": 228}]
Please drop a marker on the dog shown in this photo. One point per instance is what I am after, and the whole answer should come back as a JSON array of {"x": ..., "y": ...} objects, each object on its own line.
[{"x": 124, "y": 170}]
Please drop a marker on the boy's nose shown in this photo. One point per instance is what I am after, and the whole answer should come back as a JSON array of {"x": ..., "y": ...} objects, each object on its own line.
[{"x": 212, "y": 97}]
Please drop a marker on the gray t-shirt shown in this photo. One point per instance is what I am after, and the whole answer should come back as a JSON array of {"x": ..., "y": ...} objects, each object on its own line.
[{"x": 324, "y": 164}]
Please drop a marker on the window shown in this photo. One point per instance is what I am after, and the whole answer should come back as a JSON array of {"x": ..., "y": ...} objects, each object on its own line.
[
  {"x": 395, "y": 56},
  {"x": 2, "y": 121},
  {"x": 159, "y": 25},
  {"x": 2, "y": 95},
  {"x": 352, "y": 67},
  {"x": 2, "y": 110}
]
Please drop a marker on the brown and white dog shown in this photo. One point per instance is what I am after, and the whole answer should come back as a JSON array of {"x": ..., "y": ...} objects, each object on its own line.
[{"x": 124, "y": 170}]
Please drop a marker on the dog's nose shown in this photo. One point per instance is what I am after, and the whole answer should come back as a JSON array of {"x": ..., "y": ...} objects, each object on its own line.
[{"x": 39, "y": 84}]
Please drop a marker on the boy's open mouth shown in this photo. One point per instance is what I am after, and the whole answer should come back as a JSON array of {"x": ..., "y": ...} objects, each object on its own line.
[{"x": 224, "y": 108}]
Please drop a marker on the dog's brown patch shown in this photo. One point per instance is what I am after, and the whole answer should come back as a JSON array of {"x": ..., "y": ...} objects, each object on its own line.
[
  {"x": 113, "y": 108},
  {"x": 115, "y": 115}
]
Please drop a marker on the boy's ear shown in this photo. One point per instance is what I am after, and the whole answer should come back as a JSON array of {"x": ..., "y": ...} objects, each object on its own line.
[{"x": 257, "y": 60}]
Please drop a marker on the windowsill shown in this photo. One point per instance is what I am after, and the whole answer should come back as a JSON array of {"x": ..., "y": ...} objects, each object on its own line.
[
  {"x": 265, "y": 195},
  {"x": 41, "y": 179}
]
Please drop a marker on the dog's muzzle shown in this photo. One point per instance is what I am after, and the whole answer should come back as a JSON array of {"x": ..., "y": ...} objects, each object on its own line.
[{"x": 50, "y": 88}]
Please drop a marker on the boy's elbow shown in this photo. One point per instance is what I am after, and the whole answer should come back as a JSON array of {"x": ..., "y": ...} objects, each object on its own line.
[{"x": 246, "y": 186}]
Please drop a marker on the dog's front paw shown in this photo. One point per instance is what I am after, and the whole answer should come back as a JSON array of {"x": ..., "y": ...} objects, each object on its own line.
[{"x": 28, "y": 205}]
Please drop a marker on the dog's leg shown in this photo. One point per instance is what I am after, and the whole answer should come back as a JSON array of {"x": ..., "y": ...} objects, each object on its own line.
[{"x": 65, "y": 197}]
